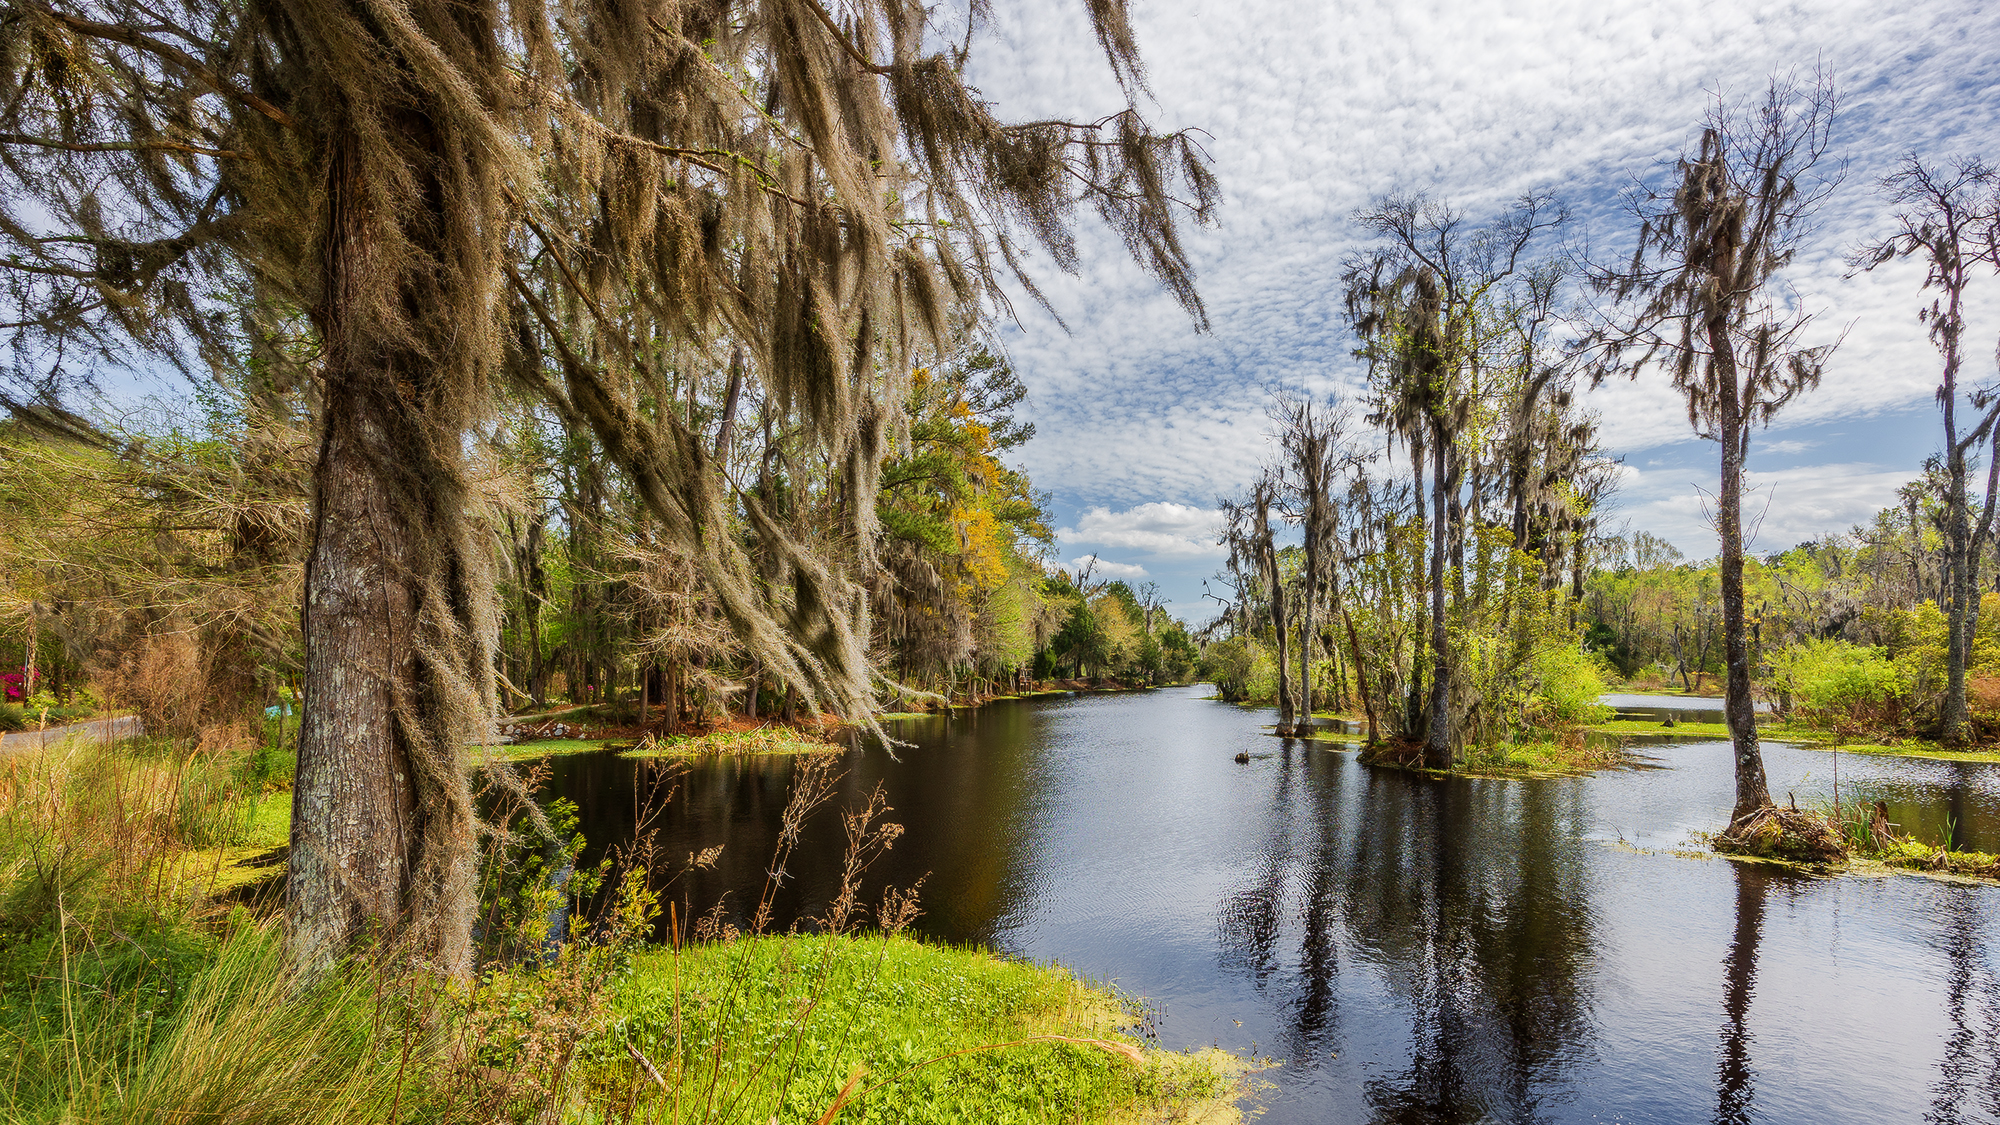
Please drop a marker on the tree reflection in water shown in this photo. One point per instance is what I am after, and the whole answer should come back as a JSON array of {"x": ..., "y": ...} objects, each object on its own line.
[
  {"x": 1972, "y": 1004},
  {"x": 1470, "y": 901},
  {"x": 1735, "y": 1079}
]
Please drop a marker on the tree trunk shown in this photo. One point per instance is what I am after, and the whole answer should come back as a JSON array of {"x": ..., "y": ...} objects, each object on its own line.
[
  {"x": 357, "y": 828},
  {"x": 1752, "y": 792},
  {"x": 1361, "y": 676},
  {"x": 1437, "y": 736},
  {"x": 1267, "y": 554},
  {"x": 1306, "y": 636},
  {"x": 31, "y": 667},
  {"x": 382, "y": 824},
  {"x": 1962, "y": 606}
]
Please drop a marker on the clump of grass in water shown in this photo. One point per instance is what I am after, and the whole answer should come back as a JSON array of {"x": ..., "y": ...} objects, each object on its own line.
[
  {"x": 762, "y": 740},
  {"x": 1569, "y": 753},
  {"x": 1868, "y": 832},
  {"x": 1796, "y": 835}
]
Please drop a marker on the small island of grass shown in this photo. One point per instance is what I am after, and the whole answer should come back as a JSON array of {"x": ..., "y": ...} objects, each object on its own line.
[{"x": 756, "y": 742}]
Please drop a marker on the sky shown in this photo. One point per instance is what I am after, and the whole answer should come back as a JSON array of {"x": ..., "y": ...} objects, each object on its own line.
[{"x": 1315, "y": 110}]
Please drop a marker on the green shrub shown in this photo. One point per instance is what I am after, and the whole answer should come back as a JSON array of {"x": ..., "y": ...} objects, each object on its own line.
[
  {"x": 12, "y": 717},
  {"x": 1563, "y": 684},
  {"x": 1227, "y": 665},
  {"x": 1842, "y": 687}
]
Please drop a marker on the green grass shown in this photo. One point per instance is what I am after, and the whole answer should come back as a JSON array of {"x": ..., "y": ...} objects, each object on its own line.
[
  {"x": 174, "y": 1023},
  {"x": 1538, "y": 758},
  {"x": 1914, "y": 749},
  {"x": 886, "y": 1008},
  {"x": 1569, "y": 756},
  {"x": 1813, "y": 738},
  {"x": 129, "y": 993},
  {"x": 1653, "y": 726},
  {"x": 552, "y": 747},
  {"x": 743, "y": 743}
]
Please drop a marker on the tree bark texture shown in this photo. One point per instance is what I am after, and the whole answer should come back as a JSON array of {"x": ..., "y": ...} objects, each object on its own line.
[
  {"x": 395, "y": 641},
  {"x": 1437, "y": 735},
  {"x": 354, "y": 810},
  {"x": 1752, "y": 792}
]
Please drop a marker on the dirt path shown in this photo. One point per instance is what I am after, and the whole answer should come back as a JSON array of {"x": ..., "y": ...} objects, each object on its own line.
[{"x": 96, "y": 730}]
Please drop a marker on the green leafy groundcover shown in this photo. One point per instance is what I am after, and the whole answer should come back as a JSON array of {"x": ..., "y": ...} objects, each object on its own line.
[{"x": 779, "y": 1025}]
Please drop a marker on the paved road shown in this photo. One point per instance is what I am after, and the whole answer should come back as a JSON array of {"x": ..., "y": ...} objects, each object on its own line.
[{"x": 96, "y": 730}]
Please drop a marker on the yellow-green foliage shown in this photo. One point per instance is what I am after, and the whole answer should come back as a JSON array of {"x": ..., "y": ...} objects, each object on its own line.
[
  {"x": 1261, "y": 680},
  {"x": 1563, "y": 684},
  {"x": 1121, "y": 635},
  {"x": 1227, "y": 665},
  {"x": 1840, "y": 686}
]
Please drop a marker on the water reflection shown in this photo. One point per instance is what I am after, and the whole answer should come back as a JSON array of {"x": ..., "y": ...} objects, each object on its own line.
[
  {"x": 1415, "y": 949},
  {"x": 1968, "y": 1085},
  {"x": 1469, "y": 901},
  {"x": 1735, "y": 1085}
]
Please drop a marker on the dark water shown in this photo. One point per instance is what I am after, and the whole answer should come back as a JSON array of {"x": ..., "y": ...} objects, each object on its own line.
[{"x": 1415, "y": 950}]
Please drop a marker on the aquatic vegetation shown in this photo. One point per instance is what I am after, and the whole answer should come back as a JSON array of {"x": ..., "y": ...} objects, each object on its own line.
[{"x": 742, "y": 743}]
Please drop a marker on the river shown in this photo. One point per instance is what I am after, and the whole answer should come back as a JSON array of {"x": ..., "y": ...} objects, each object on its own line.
[{"x": 1414, "y": 950}]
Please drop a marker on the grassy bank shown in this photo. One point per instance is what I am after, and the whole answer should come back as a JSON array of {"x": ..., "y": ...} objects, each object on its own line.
[
  {"x": 1560, "y": 754},
  {"x": 1797, "y": 734},
  {"x": 1657, "y": 727},
  {"x": 536, "y": 749},
  {"x": 1817, "y": 739},
  {"x": 136, "y": 987},
  {"x": 913, "y": 1032}
]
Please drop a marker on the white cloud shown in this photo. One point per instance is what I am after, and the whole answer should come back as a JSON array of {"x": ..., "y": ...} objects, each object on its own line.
[
  {"x": 1788, "y": 447},
  {"x": 1312, "y": 110},
  {"x": 1105, "y": 568},
  {"x": 1780, "y": 508},
  {"x": 1159, "y": 528}
]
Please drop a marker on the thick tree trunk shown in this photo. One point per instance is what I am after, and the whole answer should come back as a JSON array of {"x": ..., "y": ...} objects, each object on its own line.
[
  {"x": 382, "y": 824},
  {"x": 1437, "y": 737},
  {"x": 354, "y": 811},
  {"x": 1752, "y": 792}
]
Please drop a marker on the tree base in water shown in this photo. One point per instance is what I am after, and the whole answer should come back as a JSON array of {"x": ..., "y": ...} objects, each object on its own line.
[{"x": 1789, "y": 834}]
